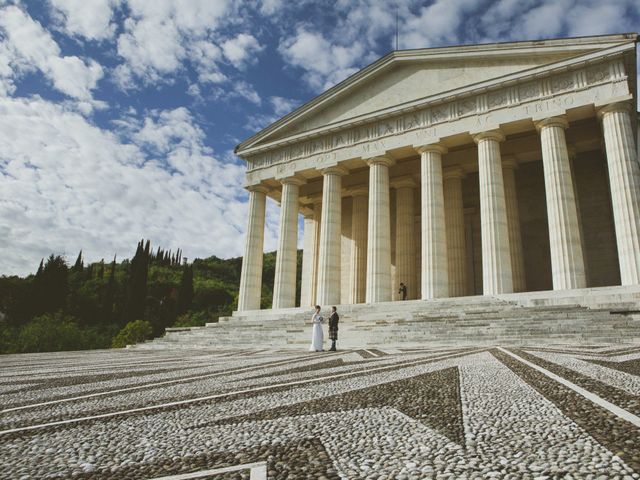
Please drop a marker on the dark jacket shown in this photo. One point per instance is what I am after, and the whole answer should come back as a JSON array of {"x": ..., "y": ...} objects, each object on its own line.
[{"x": 333, "y": 326}]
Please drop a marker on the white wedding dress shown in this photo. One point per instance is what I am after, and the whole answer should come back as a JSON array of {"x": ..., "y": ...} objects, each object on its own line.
[{"x": 317, "y": 337}]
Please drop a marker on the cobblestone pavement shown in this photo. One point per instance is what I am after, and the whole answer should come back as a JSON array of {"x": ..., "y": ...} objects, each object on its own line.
[{"x": 460, "y": 413}]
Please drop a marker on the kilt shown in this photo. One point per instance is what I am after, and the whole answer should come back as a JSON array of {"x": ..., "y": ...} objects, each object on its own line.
[{"x": 333, "y": 333}]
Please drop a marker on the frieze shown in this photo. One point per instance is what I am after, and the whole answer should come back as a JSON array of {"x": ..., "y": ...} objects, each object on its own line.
[
  {"x": 529, "y": 90},
  {"x": 473, "y": 105}
]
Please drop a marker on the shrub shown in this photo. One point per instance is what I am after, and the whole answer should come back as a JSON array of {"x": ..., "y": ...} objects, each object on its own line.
[
  {"x": 194, "y": 319},
  {"x": 8, "y": 337},
  {"x": 133, "y": 332},
  {"x": 51, "y": 332}
]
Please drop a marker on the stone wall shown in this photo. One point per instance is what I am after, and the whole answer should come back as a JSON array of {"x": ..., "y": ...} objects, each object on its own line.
[
  {"x": 599, "y": 242},
  {"x": 534, "y": 226},
  {"x": 471, "y": 203}
]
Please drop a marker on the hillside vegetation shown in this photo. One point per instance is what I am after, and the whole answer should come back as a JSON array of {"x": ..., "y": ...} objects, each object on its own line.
[{"x": 103, "y": 305}]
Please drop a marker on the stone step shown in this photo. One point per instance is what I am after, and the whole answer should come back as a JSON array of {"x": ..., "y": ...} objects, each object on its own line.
[{"x": 599, "y": 315}]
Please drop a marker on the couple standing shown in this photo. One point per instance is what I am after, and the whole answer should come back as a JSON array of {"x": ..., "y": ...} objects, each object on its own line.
[{"x": 317, "y": 337}]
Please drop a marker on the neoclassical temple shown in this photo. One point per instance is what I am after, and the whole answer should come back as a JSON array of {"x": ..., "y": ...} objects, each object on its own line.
[{"x": 468, "y": 170}]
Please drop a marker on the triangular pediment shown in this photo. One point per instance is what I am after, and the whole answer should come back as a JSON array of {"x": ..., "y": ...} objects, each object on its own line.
[
  {"x": 405, "y": 82},
  {"x": 404, "y": 77}
]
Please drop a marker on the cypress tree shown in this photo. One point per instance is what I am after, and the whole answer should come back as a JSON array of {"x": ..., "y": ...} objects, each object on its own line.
[
  {"x": 79, "y": 265},
  {"x": 89, "y": 274},
  {"x": 185, "y": 292},
  {"x": 137, "y": 293},
  {"x": 109, "y": 296},
  {"x": 40, "y": 268},
  {"x": 37, "y": 292},
  {"x": 54, "y": 285}
]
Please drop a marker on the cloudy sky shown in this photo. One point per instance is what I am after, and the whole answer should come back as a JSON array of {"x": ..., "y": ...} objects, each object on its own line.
[{"x": 118, "y": 118}]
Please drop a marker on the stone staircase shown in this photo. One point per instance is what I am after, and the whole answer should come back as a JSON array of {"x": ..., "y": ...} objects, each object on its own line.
[{"x": 601, "y": 315}]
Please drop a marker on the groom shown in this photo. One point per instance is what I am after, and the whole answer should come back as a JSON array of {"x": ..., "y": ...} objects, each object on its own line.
[{"x": 333, "y": 328}]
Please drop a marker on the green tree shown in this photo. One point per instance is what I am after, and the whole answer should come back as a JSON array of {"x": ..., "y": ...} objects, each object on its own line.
[
  {"x": 50, "y": 333},
  {"x": 79, "y": 265},
  {"x": 132, "y": 333},
  {"x": 40, "y": 268},
  {"x": 51, "y": 286},
  {"x": 85, "y": 306},
  {"x": 109, "y": 294},
  {"x": 138, "y": 282},
  {"x": 16, "y": 300},
  {"x": 195, "y": 319},
  {"x": 185, "y": 291}
]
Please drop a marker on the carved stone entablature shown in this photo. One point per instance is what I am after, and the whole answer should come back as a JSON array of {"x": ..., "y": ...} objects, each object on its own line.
[{"x": 422, "y": 122}]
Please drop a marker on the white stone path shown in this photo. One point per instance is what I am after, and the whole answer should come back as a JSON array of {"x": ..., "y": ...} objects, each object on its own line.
[
  {"x": 508, "y": 427},
  {"x": 622, "y": 380}
]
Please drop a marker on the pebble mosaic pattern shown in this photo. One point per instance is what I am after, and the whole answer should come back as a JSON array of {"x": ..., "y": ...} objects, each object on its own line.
[{"x": 379, "y": 413}]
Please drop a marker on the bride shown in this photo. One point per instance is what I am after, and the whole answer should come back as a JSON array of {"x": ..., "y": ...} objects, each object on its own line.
[{"x": 317, "y": 338}]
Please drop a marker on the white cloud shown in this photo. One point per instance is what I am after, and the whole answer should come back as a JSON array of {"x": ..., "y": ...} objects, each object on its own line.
[
  {"x": 160, "y": 36},
  {"x": 436, "y": 24},
  {"x": 74, "y": 77},
  {"x": 91, "y": 19},
  {"x": 246, "y": 91},
  {"x": 324, "y": 63},
  {"x": 7, "y": 64},
  {"x": 270, "y": 7},
  {"x": 70, "y": 185},
  {"x": 206, "y": 55},
  {"x": 545, "y": 20},
  {"x": 151, "y": 48},
  {"x": 282, "y": 106},
  {"x": 366, "y": 20},
  {"x": 596, "y": 17},
  {"x": 532, "y": 19},
  {"x": 30, "y": 46},
  {"x": 166, "y": 130},
  {"x": 241, "y": 50},
  {"x": 257, "y": 122}
]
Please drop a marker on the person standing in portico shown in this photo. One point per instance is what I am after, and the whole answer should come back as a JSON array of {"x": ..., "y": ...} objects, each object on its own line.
[{"x": 403, "y": 291}]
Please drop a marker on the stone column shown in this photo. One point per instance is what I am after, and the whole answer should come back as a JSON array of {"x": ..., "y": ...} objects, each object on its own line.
[
  {"x": 308, "y": 258},
  {"x": 379, "y": 232},
  {"x": 509, "y": 167},
  {"x": 317, "y": 216},
  {"x": 567, "y": 261},
  {"x": 435, "y": 275},
  {"x": 345, "y": 248},
  {"x": 456, "y": 242},
  {"x": 251, "y": 273},
  {"x": 624, "y": 175},
  {"x": 328, "y": 286},
  {"x": 405, "y": 235},
  {"x": 417, "y": 228},
  {"x": 496, "y": 256},
  {"x": 358, "y": 261},
  {"x": 284, "y": 284}
]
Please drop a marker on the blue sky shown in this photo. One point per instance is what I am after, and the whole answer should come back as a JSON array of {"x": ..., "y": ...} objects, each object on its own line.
[{"x": 118, "y": 118}]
